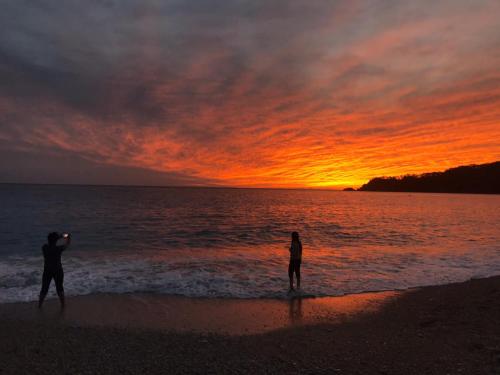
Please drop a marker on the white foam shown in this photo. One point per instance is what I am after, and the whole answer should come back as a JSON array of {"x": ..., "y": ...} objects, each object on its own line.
[{"x": 240, "y": 274}]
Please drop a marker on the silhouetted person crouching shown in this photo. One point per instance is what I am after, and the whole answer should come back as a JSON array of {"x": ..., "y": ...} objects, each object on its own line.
[
  {"x": 295, "y": 259},
  {"x": 52, "y": 266}
]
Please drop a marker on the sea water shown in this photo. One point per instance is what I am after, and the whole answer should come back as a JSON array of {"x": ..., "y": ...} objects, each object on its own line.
[{"x": 211, "y": 242}]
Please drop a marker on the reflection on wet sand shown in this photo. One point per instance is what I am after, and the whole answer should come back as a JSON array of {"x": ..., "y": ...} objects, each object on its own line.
[
  {"x": 230, "y": 316},
  {"x": 295, "y": 310}
]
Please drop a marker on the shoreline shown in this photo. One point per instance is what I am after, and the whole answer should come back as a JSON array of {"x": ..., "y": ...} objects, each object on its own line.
[
  {"x": 154, "y": 311},
  {"x": 52, "y": 296},
  {"x": 442, "y": 329}
]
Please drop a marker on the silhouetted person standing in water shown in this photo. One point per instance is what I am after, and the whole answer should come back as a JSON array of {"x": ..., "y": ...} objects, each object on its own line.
[
  {"x": 295, "y": 259},
  {"x": 52, "y": 266}
]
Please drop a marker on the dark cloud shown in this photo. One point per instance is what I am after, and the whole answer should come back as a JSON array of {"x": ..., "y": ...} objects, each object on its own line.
[{"x": 31, "y": 167}]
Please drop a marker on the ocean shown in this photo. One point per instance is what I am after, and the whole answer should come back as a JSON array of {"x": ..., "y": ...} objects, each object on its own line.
[{"x": 233, "y": 243}]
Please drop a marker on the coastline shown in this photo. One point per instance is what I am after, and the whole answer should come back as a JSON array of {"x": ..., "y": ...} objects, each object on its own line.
[{"x": 434, "y": 330}]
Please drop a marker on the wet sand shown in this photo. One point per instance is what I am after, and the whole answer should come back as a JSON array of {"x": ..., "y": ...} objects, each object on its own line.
[
  {"x": 181, "y": 314},
  {"x": 452, "y": 329}
]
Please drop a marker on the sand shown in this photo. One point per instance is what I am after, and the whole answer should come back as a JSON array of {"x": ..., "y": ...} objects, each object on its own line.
[{"x": 451, "y": 329}]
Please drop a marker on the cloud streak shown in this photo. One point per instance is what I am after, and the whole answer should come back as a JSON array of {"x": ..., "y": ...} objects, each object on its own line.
[{"x": 285, "y": 93}]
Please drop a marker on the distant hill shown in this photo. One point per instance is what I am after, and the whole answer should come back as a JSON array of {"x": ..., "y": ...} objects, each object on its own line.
[{"x": 477, "y": 179}]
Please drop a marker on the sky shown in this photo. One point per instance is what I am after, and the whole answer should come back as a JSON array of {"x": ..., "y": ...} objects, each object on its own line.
[{"x": 251, "y": 93}]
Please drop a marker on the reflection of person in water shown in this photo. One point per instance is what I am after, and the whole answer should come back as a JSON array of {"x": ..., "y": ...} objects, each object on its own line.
[
  {"x": 295, "y": 312},
  {"x": 295, "y": 259},
  {"x": 52, "y": 266}
]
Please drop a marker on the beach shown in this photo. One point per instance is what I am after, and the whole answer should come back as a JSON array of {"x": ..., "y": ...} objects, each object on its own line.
[{"x": 448, "y": 329}]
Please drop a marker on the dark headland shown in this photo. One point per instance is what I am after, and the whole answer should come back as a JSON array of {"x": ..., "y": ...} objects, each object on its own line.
[{"x": 473, "y": 179}]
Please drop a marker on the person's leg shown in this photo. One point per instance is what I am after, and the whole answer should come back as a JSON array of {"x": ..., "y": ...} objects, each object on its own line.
[
  {"x": 290, "y": 273},
  {"x": 46, "y": 279},
  {"x": 297, "y": 272},
  {"x": 59, "y": 279}
]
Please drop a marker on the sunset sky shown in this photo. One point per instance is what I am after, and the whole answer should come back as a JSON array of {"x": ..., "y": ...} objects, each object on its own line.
[{"x": 246, "y": 93}]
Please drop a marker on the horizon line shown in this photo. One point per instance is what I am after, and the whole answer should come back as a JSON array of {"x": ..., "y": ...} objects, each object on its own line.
[
  {"x": 173, "y": 186},
  {"x": 319, "y": 188}
]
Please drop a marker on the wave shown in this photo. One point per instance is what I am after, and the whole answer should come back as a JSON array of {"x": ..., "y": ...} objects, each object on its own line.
[{"x": 240, "y": 274}]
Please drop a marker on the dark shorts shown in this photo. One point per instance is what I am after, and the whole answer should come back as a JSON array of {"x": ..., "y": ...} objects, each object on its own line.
[
  {"x": 294, "y": 266},
  {"x": 48, "y": 275}
]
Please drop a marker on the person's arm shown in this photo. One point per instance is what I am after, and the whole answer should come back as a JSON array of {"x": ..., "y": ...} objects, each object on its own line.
[{"x": 68, "y": 242}]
